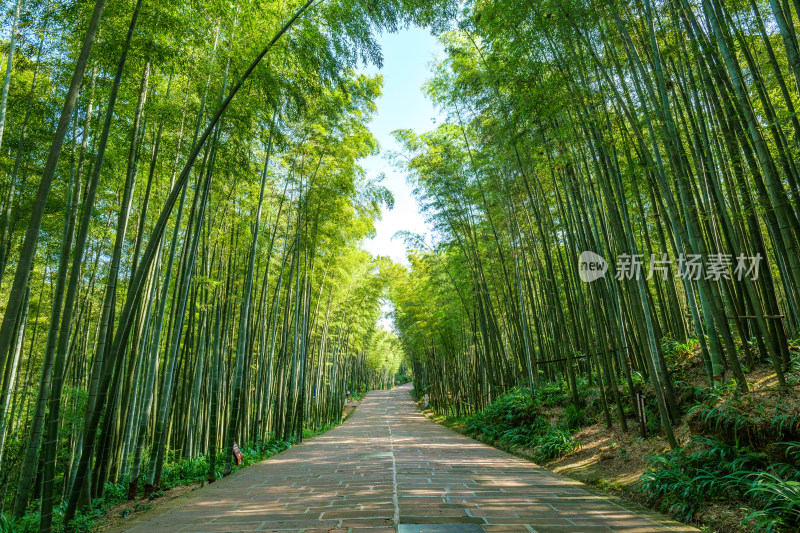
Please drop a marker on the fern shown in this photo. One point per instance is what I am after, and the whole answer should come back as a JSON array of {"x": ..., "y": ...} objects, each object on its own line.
[
  {"x": 779, "y": 500},
  {"x": 6, "y": 526},
  {"x": 682, "y": 482}
]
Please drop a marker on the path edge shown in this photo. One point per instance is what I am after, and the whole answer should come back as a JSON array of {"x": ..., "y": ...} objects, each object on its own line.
[{"x": 615, "y": 499}]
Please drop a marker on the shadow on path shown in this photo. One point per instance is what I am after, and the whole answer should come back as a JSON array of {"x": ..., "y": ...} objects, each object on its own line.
[{"x": 388, "y": 468}]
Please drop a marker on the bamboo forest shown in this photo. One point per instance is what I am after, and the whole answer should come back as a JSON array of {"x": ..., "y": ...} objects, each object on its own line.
[{"x": 605, "y": 279}]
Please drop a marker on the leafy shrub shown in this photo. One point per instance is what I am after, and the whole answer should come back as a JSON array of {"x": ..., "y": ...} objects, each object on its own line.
[
  {"x": 515, "y": 419},
  {"x": 554, "y": 444},
  {"x": 584, "y": 387},
  {"x": 513, "y": 409},
  {"x": 779, "y": 500},
  {"x": 357, "y": 393},
  {"x": 402, "y": 379},
  {"x": 553, "y": 393},
  {"x": 307, "y": 434},
  {"x": 653, "y": 421},
  {"x": 786, "y": 424},
  {"x": 184, "y": 471},
  {"x": 676, "y": 353},
  {"x": 682, "y": 482},
  {"x": 730, "y": 422},
  {"x": 793, "y": 377},
  {"x": 575, "y": 417}
]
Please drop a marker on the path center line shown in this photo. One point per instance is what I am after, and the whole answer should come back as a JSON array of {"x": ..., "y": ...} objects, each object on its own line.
[{"x": 394, "y": 473}]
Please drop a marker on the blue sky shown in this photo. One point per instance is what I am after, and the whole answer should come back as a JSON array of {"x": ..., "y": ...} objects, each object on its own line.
[{"x": 406, "y": 56}]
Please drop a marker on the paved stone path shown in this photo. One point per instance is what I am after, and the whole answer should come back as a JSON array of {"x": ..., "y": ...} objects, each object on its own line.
[{"x": 388, "y": 469}]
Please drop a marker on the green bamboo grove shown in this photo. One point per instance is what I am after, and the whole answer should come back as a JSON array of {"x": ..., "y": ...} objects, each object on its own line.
[
  {"x": 633, "y": 130},
  {"x": 181, "y": 214},
  {"x": 182, "y": 210}
]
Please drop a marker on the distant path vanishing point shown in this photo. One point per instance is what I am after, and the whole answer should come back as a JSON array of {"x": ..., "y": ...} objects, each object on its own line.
[{"x": 388, "y": 468}]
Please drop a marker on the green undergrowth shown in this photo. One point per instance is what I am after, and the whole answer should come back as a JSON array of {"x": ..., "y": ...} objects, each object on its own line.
[
  {"x": 402, "y": 379},
  {"x": 740, "y": 453},
  {"x": 741, "y": 420},
  {"x": 177, "y": 472},
  {"x": 744, "y": 452},
  {"x": 516, "y": 420},
  {"x": 707, "y": 471},
  {"x": 358, "y": 392}
]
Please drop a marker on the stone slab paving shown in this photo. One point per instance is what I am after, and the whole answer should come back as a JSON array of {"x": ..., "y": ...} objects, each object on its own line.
[{"x": 387, "y": 469}]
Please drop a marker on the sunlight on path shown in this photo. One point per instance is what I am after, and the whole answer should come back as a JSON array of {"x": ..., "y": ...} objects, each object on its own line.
[{"x": 390, "y": 469}]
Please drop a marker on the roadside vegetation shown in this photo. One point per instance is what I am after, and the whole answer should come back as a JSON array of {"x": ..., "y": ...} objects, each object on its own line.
[
  {"x": 613, "y": 194},
  {"x": 116, "y": 506},
  {"x": 737, "y": 467},
  {"x": 182, "y": 212},
  {"x": 516, "y": 420},
  {"x": 615, "y": 203}
]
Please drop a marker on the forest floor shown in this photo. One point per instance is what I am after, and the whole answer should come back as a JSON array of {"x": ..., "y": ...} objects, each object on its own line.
[{"x": 613, "y": 461}]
